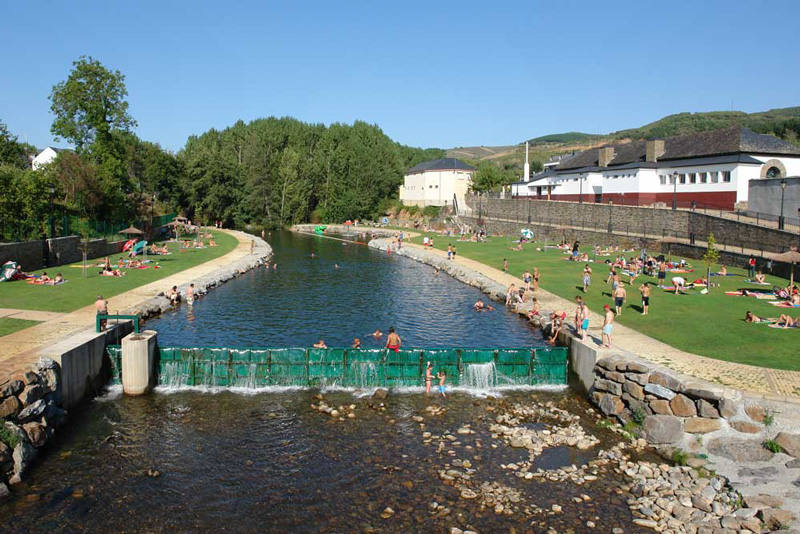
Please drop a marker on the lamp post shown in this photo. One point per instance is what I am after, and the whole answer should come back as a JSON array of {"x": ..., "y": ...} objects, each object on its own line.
[
  {"x": 780, "y": 219},
  {"x": 52, "y": 191},
  {"x": 674, "y": 191},
  {"x": 580, "y": 195}
]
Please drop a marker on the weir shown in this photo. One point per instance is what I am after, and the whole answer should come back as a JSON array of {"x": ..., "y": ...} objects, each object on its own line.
[{"x": 254, "y": 368}]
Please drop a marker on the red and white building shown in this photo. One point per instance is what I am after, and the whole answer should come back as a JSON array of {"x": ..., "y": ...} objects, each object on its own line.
[{"x": 711, "y": 169}]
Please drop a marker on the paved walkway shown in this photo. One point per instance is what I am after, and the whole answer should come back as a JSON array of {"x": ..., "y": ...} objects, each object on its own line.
[
  {"x": 28, "y": 315},
  {"x": 20, "y": 349},
  {"x": 767, "y": 383}
]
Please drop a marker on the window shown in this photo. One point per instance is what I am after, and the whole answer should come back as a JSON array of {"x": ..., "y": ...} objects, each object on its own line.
[
  {"x": 682, "y": 178},
  {"x": 692, "y": 178},
  {"x": 726, "y": 176},
  {"x": 714, "y": 176},
  {"x": 663, "y": 179},
  {"x": 703, "y": 177},
  {"x": 773, "y": 172}
]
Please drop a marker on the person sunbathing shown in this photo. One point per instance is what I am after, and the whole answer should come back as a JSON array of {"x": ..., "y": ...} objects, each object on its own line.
[
  {"x": 59, "y": 279},
  {"x": 787, "y": 321},
  {"x": 723, "y": 271},
  {"x": 212, "y": 243},
  {"x": 750, "y": 317},
  {"x": 111, "y": 272}
]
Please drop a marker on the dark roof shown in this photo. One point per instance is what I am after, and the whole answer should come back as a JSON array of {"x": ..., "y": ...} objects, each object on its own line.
[
  {"x": 443, "y": 164},
  {"x": 736, "y": 140}
]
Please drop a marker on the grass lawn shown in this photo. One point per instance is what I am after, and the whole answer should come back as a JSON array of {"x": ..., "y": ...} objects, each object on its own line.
[
  {"x": 78, "y": 291},
  {"x": 9, "y": 325},
  {"x": 710, "y": 325}
]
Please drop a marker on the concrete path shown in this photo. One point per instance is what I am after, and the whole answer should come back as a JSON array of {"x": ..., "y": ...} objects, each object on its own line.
[
  {"x": 20, "y": 349},
  {"x": 29, "y": 315},
  {"x": 766, "y": 383}
]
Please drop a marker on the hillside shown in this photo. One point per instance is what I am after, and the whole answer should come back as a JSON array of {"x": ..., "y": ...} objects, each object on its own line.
[{"x": 782, "y": 122}]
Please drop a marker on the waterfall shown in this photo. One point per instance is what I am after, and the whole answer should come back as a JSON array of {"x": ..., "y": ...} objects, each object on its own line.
[
  {"x": 174, "y": 374},
  {"x": 480, "y": 376},
  {"x": 367, "y": 375},
  {"x": 248, "y": 381}
]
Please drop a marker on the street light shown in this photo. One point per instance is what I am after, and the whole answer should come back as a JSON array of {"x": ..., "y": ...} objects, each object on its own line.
[
  {"x": 52, "y": 191},
  {"x": 580, "y": 196},
  {"x": 674, "y": 191},
  {"x": 783, "y": 190}
]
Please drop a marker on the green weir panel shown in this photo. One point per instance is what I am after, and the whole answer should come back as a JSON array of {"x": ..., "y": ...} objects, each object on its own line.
[{"x": 253, "y": 368}]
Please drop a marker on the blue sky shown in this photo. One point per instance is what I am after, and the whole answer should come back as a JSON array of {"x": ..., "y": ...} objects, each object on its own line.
[{"x": 429, "y": 73}]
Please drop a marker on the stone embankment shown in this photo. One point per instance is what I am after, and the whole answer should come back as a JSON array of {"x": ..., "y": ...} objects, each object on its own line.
[{"x": 31, "y": 401}]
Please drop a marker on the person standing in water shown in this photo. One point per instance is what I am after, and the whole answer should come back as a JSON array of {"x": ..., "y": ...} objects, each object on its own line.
[
  {"x": 428, "y": 378},
  {"x": 442, "y": 378},
  {"x": 393, "y": 341},
  {"x": 190, "y": 294}
]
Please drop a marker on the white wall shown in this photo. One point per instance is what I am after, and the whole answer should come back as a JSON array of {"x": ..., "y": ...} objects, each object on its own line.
[
  {"x": 43, "y": 158},
  {"x": 435, "y": 188}
]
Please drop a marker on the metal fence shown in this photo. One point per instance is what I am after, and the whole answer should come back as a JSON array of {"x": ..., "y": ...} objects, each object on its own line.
[{"x": 67, "y": 225}]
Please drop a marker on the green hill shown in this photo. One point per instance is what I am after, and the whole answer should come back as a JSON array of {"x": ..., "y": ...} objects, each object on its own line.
[{"x": 563, "y": 138}]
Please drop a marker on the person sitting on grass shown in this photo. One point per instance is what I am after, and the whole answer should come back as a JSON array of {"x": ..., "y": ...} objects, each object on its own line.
[
  {"x": 212, "y": 243},
  {"x": 760, "y": 278},
  {"x": 787, "y": 321},
  {"x": 723, "y": 271}
]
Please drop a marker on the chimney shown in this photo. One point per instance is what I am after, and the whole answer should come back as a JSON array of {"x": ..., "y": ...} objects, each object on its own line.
[
  {"x": 605, "y": 155},
  {"x": 655, "y": 149},
  {"x": 526, "y": 171}
]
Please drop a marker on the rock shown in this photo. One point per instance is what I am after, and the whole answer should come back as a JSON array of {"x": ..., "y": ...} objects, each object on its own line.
[
  {"x": 381, "y": 394},
  {"x": 418, "y": 418},
  {"x": 668, "y": 381},
  {"x": 660, "y": 391},
  {"x": 29, "y": 377},
  {"x": 745, "y": 426},
  {"x": 760, "y": 472},
  {"x": 728, "y": 408},
  {"x": 739, "y": 450},
  {"x": 703, "y": 391},
  {"x": 647, "y": 523},
  {"x": 32, "y": 411},
  {"x": 701, "y": 425},
  {"x": 611, "y": 405},
  {"x": 4, "y": 492},
  {"x": 660, "y": 407},
  {"x": 31, "y": 394},
  {"x": 454, "y": 530},
  {"x": 706, "y": 409},
  {"x": 607, "y": 385},
  {"x": 634, "y": 390},
  {"x": 387, "y": 512},
  {"x": 10, "y": 407},
  {"x": 556, "y": 508},
  {"x": 12, "y": 387},
  {"x": 639, "y": 379},
  {"x": 762, "y": 501},
  {"x": 755, "y": 412},
  {"x": 775, "y": 519},
  {"x": 701, "y": 502},
  {"x": 793, "y": 464},
  {"x": 608, "y": 363},
  {"x": 36, "y": 433},
  {"x": 636, "y": 367},
  {"x": 467, "y": 493},
  {"x": 682, "y": 406},
  {"x": 23, "y": 455},
  {"x": 54, "y": 416},
  {"x": 662, "y": 429},
  {"x": 790, "y": 443}
]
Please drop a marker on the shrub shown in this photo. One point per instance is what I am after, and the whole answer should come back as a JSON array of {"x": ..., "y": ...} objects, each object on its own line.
[
  {"x": 432, "y": 211},
  {"x": 638, "y": 416},
  {"x": 8, "y": 437},
  {"x": 769, "y": 417},
  {"x": 680, "y": 457}
]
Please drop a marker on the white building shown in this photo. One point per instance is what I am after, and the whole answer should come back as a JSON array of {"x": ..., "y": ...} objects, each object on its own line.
[
  {"x": 436, "y": 183},
  {"x": 46, "y": 156},
  {"x": 710, "y": 169}
]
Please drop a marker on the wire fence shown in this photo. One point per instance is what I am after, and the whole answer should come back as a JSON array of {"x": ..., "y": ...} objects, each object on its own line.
[{"x": 68, "y": 225}]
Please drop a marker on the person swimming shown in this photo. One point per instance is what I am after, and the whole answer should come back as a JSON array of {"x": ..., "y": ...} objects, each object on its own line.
[
  {"x": 320, "y": 344},
  {"x": 356, "y": 344},
  {"x": 377, "y": 333}
]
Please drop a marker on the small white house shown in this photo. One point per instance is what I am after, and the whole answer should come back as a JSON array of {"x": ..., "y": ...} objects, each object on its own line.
[
  {"x": 436, "y": 183},
  {"x": 46, "y": 156}
]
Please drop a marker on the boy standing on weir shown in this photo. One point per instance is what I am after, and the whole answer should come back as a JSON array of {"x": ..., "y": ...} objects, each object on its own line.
[{"x": 608, "y": 324}]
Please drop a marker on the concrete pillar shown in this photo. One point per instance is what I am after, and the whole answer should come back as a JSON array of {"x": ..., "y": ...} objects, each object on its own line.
[{"x": 138, "y": 359}]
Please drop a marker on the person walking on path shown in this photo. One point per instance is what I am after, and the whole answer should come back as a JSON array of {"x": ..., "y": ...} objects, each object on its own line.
[
  {"x": 751, "y": 266},
  {"x": 101, "y": 305},
  {"x": 587, "y": 277},
  {"x": 645, "y": 290},
  {"x": 619, "y": 298},
  {"x": 608, "y": 324}
]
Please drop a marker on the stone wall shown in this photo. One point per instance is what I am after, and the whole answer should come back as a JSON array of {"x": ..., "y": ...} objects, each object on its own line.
[
  {"x": 633, "y": 220},
  {"x": 764, "y": 196},
  {"x": 33, "y": 255}
]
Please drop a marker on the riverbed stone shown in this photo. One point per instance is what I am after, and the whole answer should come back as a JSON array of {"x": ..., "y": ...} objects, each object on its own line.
[
  {"x": 701, "y": 425},
  {"x": 706, "y": 409},
  {"x": 54, "y": 416},
  {"x": 662, "y": 429},
  {"x": 634, "y": 390},
  {"x": 31, "y": 394},
  {"x": 746, "y": 427},
  {"x": 10, "y": 407},
  {"x": 660, "y": 407},
  {"x": 776, "y": 519},
  {"x": 682, "y": 406},
  {"x": 12, "y": 387},
  {"x": 739, "y": 450},
  {"x": 32, "y": 411},
  {"x": 37, "y": 434},
  {"x": 790, "y": 443},
  {"x": 24, "y": 454},
  {"x": 660, "y": 391},
  {"x": 755, "y": 412},
  {"x": 667, "y": 380},
  {"x": 380, "y": 394},
  {"x": 611, "y": 405}
]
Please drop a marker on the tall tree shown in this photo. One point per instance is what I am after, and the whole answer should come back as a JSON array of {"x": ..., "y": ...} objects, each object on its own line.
[{"x": 90, "y": 104}]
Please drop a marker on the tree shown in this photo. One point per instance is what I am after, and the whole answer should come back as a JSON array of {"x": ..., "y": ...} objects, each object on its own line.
[
  {"x": 90, "y": 104},
  {"x": 710, "y": 257},
  {"x": 12, "y": 152},
  {"x": 489, "y": 177}
]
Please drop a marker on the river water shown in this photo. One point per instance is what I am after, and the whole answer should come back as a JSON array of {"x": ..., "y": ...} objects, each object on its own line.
[{"x": 182, "y": 460}]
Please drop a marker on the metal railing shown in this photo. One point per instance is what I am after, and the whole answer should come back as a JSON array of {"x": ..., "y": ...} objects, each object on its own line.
[{"x": 101, "y": 319}]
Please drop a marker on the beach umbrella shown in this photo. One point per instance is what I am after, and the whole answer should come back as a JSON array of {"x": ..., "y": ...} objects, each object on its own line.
[
  {"x": 131, "y": 230},
  {"x": 792, "y": 256},
  {"x": 8, "y": 271}
]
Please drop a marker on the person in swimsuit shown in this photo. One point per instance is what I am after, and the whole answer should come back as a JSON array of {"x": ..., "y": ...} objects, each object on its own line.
[
  {"x": 662, "y": 273},
  {"x": 393, "y": 341},
  {"x": 190, "y": 294},
  {"x": 645, "y": 290},
  {"x": 619, "y": 298},
  {"x": 428, "y": 378},
  {"x": 535, "y": 278},
  {"x": 356, "y": 344},
  {"x": 788, "y": 321},
  {"x": 442, "y": 377},
  {"x": 584, "y": 316},
  {"x": 101, "y": 305},
  {"x": 679, "y": 283},
  {"x": 587, "y": 277},
  {"x": 320, "y": 344},
  {"x": 608, "y": 323},
  {"x": 505, "y": 265}
]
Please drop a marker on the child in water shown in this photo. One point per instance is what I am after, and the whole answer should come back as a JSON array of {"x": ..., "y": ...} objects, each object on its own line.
[{"x": 442, "y": 377}]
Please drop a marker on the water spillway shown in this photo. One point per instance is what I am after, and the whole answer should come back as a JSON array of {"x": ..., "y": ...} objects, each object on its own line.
[{"x": 479, "y": 369}]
